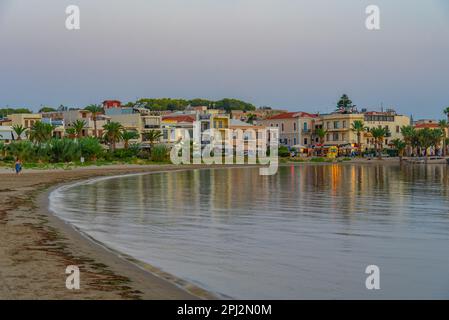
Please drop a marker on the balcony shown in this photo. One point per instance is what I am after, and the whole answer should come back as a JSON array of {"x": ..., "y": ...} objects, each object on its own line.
[{"x": 152, "y": 126}]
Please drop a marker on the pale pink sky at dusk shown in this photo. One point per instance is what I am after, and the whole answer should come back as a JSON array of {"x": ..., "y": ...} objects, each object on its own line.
[{"x": 293, "y": 54}]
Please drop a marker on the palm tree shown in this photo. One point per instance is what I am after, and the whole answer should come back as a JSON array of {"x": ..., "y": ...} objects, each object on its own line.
[
  {"x": 19, "y": 130},
  {"x": 152, "y": 136},
  {"x": 425, "y": 140},
  {"x": 437, "y": 135},
  {"x": 113, "y": 133},
  {"x": 446, "y": 112},
  {"x": 409, "y": 134},
  {"x": 400, "y": 146},
  {"x": 96, "y": 110},
  {"x": 129, "y": 135},
  {"x": 443, "y": 124},
  {"x": 358, "y": 127},
  {"x": 71, "y": 132},
  {"x": 79, "y": 126},
  {"x": 379, "y": 135},
  {"x": 40, "y": 132},
  {"x": 321, "y": 133}
]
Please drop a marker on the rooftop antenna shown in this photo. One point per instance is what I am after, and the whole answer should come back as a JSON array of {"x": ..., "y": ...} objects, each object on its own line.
[{"x": 381, "y": 107}]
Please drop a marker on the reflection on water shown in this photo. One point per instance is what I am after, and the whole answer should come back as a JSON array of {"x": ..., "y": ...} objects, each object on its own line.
[{"x": 307, "y": 232}]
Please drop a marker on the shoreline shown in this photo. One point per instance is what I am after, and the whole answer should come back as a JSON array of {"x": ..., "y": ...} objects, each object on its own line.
[{"x": 37, "y": 246}]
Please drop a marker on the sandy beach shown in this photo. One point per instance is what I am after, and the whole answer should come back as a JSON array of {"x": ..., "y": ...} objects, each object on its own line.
[{"x": 36, "y": 247}]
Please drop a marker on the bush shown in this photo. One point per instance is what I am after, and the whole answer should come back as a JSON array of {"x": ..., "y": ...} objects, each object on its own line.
[
  {"x": 283, "y": 152},
  {"x": 318, "y": 160},
  {"x": 64, "y": 150},
  {"x": 23, "y": 150},
  {"x": 90, "y": 148},
  {"x": 159, "y": 153}
]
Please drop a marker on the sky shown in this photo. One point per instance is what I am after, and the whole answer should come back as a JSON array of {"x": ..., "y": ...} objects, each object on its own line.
[{"x": 299, "y": 55}]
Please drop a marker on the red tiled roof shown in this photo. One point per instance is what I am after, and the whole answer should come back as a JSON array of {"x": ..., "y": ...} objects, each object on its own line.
[
  {"x": 427, "y": 125},
  {"x": 290, "y": 115},
  {"x": 180, "y": 118}
]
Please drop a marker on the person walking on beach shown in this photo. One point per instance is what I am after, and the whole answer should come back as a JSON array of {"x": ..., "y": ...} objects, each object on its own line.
[{"x": 18, "y": 166}]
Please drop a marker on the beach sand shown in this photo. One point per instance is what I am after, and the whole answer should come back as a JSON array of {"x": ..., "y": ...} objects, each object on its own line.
[{"x": 36, "y": 247}]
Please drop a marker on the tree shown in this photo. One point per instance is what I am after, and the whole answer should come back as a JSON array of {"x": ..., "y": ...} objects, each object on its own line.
[
  {"x": 113, "y": 133},
  {"x": 446, "y": 112},
  {"x": 321, "y": 133},
  {"x": 251, "y": 117},
  {"x": 152, "y": 136},
  {"x": 443, "y": 124},
  {"x": 409, "y": 134},
  {"x": 40, "y": 132},
  {"x": 358, "y": 127},
  {"x": 46, "y": 109},
  {"x": 19, "y": 130},
  {"x": 79, "y": 126},
  {"x": 400, "y": 146},
  {"x": 379, "y": 135},
  {"x": 96, "y": 110},
  {"x": 345, "y": 105},
  {"x": 71, "y": 132},
  {"x": 129, "y": 135}
]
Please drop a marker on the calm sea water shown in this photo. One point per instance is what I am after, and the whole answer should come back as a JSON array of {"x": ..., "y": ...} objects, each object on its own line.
[{"x": 307, "y": 232}]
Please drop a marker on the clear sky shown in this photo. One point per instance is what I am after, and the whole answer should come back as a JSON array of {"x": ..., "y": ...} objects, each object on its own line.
[{"x": 292, "y": 54}]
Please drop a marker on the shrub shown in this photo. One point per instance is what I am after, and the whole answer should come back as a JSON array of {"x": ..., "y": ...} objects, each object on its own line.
[
  {"x": 21, "y": 149},
  {"x": 159, "y": 153},
  {"x": 64, "y": 150},
  {"x": 317, "y": 160},
  {"x": 283, "y": 152},
  {"x": 90, "y": 148}
]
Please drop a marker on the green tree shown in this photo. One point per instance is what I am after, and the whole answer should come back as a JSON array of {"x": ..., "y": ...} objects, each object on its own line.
[
  {"x": 129, "y": 135},
  {"x": 251, "y": 117},
  {"x": 152, "y": 136},
  {"x": 379, "y": 135},
  {"x": 71, "y": 132},
  {"x": 64, "y": 150},
  {"x": 40, "y": 132},
  {"x": 443, "y": 124},
  {"x": 47, "y": 109},
  {"x": 79, "y": 126},
  {"x": 7, "y": 111},
  {"x": 19, "y": 130},
  {"x": 400, "y": 147},
  {"x": 358, "y": 127},
  {"x": 96, "y": 110},
  {"x": 410, "y": 136},
  {"x": 345, "y": 105},
  {"x": 113, "y": 133},
  {"x": 90, "y": 148}
]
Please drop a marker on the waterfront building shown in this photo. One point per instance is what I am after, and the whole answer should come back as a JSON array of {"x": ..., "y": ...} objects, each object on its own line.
[
  {"x": 173, "y": 128},
  {"x": 26, "y": 120},
  {"x": 295, "y": 128},
  {"x": 71, "y": 116}
]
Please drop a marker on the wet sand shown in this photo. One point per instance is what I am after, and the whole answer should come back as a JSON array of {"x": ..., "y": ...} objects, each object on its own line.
[{"x": 36, "y": 247}]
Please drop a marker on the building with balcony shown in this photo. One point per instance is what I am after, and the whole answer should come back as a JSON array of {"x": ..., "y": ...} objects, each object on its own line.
[{"x": 295, "y": 128}]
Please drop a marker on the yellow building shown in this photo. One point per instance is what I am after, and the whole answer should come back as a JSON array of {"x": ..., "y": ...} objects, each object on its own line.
[
  {"x": 339, "y": 127},
  {"x": 26, "y": 120}
]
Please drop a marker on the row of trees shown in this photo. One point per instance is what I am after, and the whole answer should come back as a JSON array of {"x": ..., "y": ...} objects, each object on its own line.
[{"x": 164, "y": 104}]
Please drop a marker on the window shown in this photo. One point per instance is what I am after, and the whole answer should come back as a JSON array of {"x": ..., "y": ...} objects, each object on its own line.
[
  {"x": 398, "y": 129},
  {"x": 344, "y": 124},
  {"x": 294, "y": 127},
  {"x": 26, "y": 123},
  {"x": 282, "y": 127},
  {"x": 336, "y": 124},
  {"x": 305, "y": 126},
  {"x": 294, "y": 141},
  {"x": 328, "y": 125},
  {"x": 305, "y": 141},
  {"x": 335, "y": 137}
]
